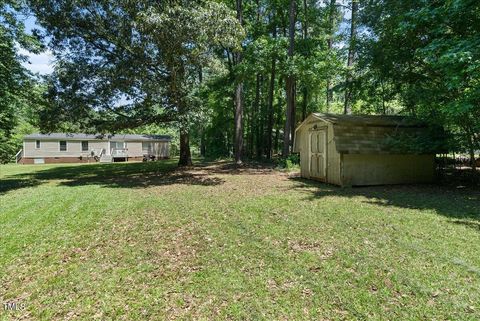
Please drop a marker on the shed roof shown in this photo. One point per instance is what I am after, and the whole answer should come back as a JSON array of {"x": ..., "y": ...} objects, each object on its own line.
[
  {"x": 371, "y": 134},
  {"x": 369, "y": 120},
  {"x": 77, "y": 136}
]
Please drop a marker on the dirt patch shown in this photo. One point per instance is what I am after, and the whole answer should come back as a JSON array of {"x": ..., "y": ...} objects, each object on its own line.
[
  {"x": 226, "y": 178},
  {"x": 310, "y": 247}
]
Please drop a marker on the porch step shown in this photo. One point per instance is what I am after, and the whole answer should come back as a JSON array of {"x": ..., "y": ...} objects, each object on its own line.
[{"x": 106, "y": 159}]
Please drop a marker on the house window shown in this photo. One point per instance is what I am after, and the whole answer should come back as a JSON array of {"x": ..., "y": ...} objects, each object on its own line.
[
  {"x": 117, "y": 145},
  {"x": 84, "y": 146},
  {"x": 63, "y": 146},
  {"x": 37, "y": 144},
  {"x": 146, "y": 147}
]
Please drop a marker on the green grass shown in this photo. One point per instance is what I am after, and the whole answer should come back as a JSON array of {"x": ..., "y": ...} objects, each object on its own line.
[{"x": 143, "y": 241}]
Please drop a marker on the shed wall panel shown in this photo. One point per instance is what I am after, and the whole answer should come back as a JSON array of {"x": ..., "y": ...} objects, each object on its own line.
[
  {"x": 373, "y": 169},
  {"x": 333, "y": 158}
]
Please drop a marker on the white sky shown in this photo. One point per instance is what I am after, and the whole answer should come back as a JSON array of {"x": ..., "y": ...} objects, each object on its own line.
[{"x": 42, "y": 63}]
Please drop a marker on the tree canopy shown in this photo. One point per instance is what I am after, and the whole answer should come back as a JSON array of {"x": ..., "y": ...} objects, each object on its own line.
[
  {"x": 124, "y": 64},
  {"x": 17, "y": 87},
  {"x": 236, "y": 77}
]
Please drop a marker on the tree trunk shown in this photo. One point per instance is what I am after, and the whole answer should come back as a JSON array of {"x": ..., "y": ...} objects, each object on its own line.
[
  {"x": 304, "y": 103},
  {"x": 473, "y": 161},
  {"x": 178, "y": 75},
  {"x": 271, "y": 91},
  {"x": 305, "y": 36},
  {"x": 203, "y": 148},
  {"x": 251, "y": 132},
  {"x": 238, "y": 119},
  {"x": 278, "y": 121},
  {"x": 351, "y": 56},
  {"x": 290, "y": 84},
  {"x": 293, "y": 124},
  {"x": 202, "y": 128},
  {"x": 185, "y": 156},
  {"x": 256, "y": 106},
  {"x": 330, "y": 47}
]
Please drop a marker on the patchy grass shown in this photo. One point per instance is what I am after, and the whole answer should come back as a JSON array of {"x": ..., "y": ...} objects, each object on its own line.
[{"x": 145, "y": 241}]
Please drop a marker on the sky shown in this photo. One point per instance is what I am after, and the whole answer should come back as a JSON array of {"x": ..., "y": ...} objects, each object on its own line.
[{"x": 41, "y": 63}]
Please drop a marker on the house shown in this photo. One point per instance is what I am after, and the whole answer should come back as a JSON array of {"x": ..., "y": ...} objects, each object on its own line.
[
  {"x": 349, "y": 150},
  {"x": 85, "y": 148}
]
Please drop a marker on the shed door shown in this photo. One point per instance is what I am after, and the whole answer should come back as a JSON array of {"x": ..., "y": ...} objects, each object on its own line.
[{"x": 318, "y": 147}]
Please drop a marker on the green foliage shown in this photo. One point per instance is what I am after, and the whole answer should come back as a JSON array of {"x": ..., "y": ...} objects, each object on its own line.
[
  {"x": 427, "y": 57},
  {"x": 289, "y": 163},
  {"x": 432, "y": 140},
  {"x": 130, "y": 63},
  {"x": 17, "y": 87},
  {"x": 265, "y": 58},
  {"x": 123, "y": 65}
]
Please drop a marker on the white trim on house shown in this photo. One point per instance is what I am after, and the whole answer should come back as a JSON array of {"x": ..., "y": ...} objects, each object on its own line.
[
  {"x": 60, "y": 146},
  {"x": 81, "y": 144}
]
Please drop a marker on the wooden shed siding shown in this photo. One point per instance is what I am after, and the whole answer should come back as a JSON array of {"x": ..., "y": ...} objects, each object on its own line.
[
  {"x": 368, "y": 140},
  {"x": 303, "y": 146},
  {"x": 333, "y": 157},
  {"x": 372, "y": 169}
]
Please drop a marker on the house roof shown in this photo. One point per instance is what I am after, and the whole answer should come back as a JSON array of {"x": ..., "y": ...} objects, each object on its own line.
[
  {"x": 77, "y": 136},
  {"x": 371, "y": 134}
]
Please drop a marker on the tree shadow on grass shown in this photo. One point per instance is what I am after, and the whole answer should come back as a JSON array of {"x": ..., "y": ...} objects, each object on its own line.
[
  {"x": 125, "y": 175},
  {"x": 8, "y": 183},
  {"x": 230, "y": 168},
  {"x": 462, "y": 206}
]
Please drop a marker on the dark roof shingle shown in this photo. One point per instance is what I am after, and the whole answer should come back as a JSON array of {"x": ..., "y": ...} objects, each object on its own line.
[
  {"x": 378, "y": 134},
  {"x": 77, "y": 136}
]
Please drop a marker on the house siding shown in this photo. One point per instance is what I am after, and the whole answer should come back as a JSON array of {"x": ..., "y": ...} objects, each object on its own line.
[
  {"x": 49, "y": 151},
  {"x": 51, "y": 148}
]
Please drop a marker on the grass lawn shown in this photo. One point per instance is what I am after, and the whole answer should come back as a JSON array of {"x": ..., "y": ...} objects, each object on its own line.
[{"x": 142, "y": 241}]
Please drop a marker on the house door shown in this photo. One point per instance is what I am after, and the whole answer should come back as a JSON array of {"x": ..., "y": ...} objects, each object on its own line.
[{"x": 318, "y": 148}]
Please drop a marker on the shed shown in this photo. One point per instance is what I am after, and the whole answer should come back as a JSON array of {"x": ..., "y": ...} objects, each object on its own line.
[{"x": 350, "y": 150}]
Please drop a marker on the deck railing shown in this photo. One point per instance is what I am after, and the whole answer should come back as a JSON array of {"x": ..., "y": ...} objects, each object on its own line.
[
  {"x": 119, "y": 152},
  {"x": 18, "y": 156}
]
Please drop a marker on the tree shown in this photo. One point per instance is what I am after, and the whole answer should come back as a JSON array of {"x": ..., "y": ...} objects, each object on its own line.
[
  {"x": 290, "y": 84},
  {"x": 427, "y": 56},
  {"x": 271, "y": 93},
  {"x": 17, "y": 87},
  {"x": 124, "y": 64},
  {"x": 351, "y": 58},
  {"x": 330, "y": 37},
  {"x": 238, "y": 119}
]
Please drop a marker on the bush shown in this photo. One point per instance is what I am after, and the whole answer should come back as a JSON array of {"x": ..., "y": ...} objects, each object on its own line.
[{"x": 290, "y": 162}]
